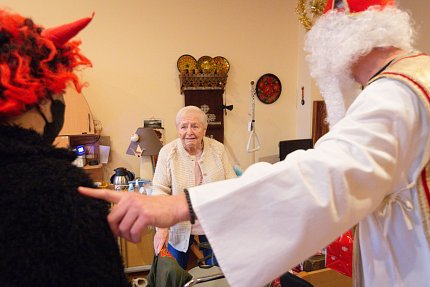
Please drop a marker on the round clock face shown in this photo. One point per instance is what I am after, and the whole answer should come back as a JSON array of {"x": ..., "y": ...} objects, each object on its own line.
[{"x": 268, "y": 88}]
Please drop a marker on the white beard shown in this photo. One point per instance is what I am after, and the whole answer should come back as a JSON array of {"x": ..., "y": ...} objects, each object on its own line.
[
  {"x": 337, "y": 40},
  {"x": 338, "y": 94}
]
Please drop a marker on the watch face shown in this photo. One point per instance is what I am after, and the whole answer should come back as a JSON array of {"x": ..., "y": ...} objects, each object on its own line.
[{"x": 268, "y": 88}]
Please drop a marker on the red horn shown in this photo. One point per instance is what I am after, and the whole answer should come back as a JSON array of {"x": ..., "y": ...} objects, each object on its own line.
[{"x": 61, "y": 34}]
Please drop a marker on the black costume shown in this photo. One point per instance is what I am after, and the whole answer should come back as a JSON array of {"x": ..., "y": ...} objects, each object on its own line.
[{"x": 50, "y": 235}]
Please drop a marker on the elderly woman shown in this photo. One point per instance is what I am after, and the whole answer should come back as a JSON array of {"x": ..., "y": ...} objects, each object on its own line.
[{"x": 190, "y": 160}]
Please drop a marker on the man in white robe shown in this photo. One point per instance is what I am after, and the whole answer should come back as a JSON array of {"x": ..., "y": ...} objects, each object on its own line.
[{"x": 369, "y": 169}]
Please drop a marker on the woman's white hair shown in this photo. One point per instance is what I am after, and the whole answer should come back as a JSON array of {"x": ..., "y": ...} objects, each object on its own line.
[{"x": 203, "y": 119}]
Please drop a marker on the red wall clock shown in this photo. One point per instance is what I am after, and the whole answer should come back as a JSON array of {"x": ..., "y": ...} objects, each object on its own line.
[{"x": 268, "y": 88}]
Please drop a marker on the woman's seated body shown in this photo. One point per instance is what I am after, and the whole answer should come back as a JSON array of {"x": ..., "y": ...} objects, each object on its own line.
[{"x": 191, "y": 159}]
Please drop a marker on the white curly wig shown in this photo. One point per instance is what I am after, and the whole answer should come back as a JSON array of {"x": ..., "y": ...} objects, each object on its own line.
[{"x": 338, "y": 39}]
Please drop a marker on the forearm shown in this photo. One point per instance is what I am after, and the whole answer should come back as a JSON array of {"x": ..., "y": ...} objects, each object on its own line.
[
  {"x": 159, "y": 211},
  {"x": 182, "y": 211},
  {"x": 176, "y": 208},
  {"x": 133, "y": 212}
]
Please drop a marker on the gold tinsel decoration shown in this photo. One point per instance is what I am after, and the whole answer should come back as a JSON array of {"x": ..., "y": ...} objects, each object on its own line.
[{"x": 313, "y": 7}]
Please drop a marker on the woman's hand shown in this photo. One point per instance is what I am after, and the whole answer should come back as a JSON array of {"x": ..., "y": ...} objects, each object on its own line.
[
  {"x": 161, "y": 238},
  {"x": 133, "y": 212}
]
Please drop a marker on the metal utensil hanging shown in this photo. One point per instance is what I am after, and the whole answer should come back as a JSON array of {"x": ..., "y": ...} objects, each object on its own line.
[{"x": 253, "y": 141}]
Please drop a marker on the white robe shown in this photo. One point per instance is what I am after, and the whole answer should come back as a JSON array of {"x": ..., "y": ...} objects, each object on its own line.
[{"x": 274, "y": 216}]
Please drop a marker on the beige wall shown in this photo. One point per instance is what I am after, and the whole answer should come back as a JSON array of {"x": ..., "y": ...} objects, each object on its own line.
[
  {"x": 134, "y": 46},
  {"x": 420, "y": 11}
]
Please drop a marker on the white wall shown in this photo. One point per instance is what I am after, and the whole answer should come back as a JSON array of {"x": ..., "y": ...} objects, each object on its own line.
[{"x": 134, "y": 46}]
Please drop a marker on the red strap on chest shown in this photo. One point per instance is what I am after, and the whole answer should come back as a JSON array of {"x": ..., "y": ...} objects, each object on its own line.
[{"x": 425, "y": 184}]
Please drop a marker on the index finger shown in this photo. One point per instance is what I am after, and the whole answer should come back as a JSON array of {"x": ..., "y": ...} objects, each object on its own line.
[{"x": 105, "y": 194}]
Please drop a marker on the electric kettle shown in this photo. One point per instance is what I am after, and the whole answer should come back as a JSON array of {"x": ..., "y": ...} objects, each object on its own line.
[{"x": 122, "y": 176}]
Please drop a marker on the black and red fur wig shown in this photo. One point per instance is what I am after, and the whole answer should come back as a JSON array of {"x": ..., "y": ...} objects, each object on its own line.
[{"x": 31, "y": 66}]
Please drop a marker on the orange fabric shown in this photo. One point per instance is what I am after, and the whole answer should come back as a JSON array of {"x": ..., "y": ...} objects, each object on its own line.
[{"x": 164, "y": 252}]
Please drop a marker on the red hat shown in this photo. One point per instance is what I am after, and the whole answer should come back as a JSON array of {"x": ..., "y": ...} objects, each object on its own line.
[
  {"x": 355, "y": 6},
  {"x": 61, "y": 34}
]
